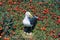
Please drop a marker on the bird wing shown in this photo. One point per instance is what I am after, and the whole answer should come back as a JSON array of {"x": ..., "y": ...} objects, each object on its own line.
[{"x": 33, "y": 21}]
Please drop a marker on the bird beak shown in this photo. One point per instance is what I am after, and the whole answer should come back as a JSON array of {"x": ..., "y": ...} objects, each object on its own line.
[{"x": 31, "y": 16}]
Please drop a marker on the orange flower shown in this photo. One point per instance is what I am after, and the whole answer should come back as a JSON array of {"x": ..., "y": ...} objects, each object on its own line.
[
  {"x": 32, "y": 7},
  {"x": 52, "y": 32},
  {"x": 24, "y": 11},
  {"x": 12, "y": 32},
  {"x": 53, "y": 16},
  {"x": 14, "y": 2},
  {"x": 2, "y": 33},
  {"x": 12, "y": 13},
  {"x": 1, "y": 28},
  {"x": 6, "y": 38},
  {"x": 21, "y": 9},
  {"x": 30, "y": 0},
  {"x": 38, "y": 25},
  {"x": 40, "y": 3},
  {"x": 43, "y": 28},
  {"x": 14, "y": 26},
  {"x": 16, "y": 8},
  {"x": 1, "y": 22},
  {"x": 8, "y": 15},
  {"x": 10, "y": 2},
  {"x": 51, "y": 5},
  {"x": 9, "y": 9},
  {"x": 11, "y": 35},
  {"x": 0, "y": 36},
  {"x": 55, "y": 36},
  {"x": 58, "y": 17}
]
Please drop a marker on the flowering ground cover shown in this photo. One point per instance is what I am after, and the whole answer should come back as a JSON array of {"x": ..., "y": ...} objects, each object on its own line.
[{"x": 12, "y": 14}]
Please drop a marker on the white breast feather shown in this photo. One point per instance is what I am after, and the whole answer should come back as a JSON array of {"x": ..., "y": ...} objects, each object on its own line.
[{"x": 26, "y": 22}]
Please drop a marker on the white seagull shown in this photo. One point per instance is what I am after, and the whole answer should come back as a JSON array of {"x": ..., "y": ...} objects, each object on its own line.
[{"x": 29, "y": 22}]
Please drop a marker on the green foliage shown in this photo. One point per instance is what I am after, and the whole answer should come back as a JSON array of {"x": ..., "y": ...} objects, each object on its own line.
[{"x": 10, "y": 17}]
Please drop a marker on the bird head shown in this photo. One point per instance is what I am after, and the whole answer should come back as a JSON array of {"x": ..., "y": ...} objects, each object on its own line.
[{"x": 28, "y": 14}]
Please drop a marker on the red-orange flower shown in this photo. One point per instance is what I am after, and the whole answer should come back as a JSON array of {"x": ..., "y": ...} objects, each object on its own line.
[
  {"x": 1, "y": 3},
  {"x": 14, "y": 2},
  {"x": 32, "y": 7},
  {"x": 46, "y": 11},
  {"x": 44, "y": 17},
  {"x": 10, "y": 2},
  {"x": 24, "y": 11},
  {"x": 43, "y": 28},
  {"x": 55, "y": 36},
  {"x": 53, "y": 16},
  {"x": 58, "y": 21},
  {"x": 18, "y": 3},
  {"x": 51, "y": 33},
  {"x": 16, "y": 8},
  {"x": 38, "y": 19}
]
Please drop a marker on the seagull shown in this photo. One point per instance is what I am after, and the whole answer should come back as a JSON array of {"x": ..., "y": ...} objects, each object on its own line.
[{"x": 29, "y": 22}]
